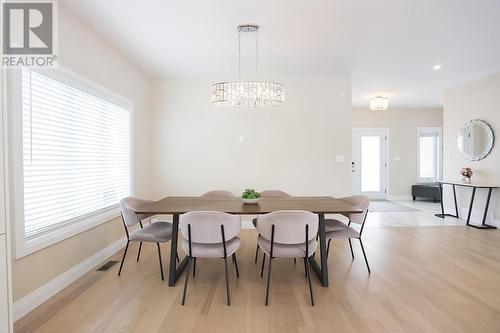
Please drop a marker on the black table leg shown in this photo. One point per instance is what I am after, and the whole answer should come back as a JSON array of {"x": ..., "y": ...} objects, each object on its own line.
[
  {"x": 173, "y": 271},
  {"x": 485, "y": 214},
  {"x": 455, "y": 200},
  {"x": 443, "y": 214},
  {"x": 471, "y": 204},
  {"x": 441, "y": 196},
  {"x": 321, "y": 272}
]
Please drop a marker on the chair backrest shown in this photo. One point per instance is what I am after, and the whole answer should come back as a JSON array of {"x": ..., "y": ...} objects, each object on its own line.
[
  {"x": 289, "y": 226},
  {"x": 205, "y": 226},
  {"x": 128, "y": 207},
  {"x": 360, "y": 202},
  {"x": 273, "y": 194},
  {"x": 217, "y": 194}
]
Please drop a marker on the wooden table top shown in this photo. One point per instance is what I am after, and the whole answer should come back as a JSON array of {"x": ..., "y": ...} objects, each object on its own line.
[{"x": 180, "y": 205}]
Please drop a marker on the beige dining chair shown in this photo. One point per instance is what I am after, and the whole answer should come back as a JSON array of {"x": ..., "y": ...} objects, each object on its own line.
[
  {"x": 268, "y": 194},
  {"x": 287, "y": 234},
  {"x": 217, "y": 194},
  {"x": 158, "y": 232},
  {"x": 210, "y": 234},
  {"x": 213, "y": 195},
  {"x": 339, "y": 230}
]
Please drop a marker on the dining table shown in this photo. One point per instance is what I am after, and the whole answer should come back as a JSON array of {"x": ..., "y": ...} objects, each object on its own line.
[{"x": 177, "y": 205}]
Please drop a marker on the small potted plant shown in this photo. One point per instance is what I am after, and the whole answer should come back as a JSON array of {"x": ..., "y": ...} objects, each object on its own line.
[
  {"x": 250, "y": 196},
  {"x": 467, "y": 174}
]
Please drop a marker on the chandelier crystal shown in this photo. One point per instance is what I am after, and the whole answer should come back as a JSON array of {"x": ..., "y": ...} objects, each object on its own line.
[{"x": 248, "y": 94}]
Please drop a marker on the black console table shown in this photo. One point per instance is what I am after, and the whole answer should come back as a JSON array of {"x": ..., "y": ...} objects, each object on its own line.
[{"x": 474, "y": 188}]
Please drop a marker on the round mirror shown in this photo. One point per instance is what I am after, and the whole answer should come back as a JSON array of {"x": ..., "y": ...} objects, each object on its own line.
[{"x": 475, "y": 140}]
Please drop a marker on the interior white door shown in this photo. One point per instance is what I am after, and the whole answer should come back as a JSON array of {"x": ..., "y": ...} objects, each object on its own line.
[{"x": 369, "y": 164}]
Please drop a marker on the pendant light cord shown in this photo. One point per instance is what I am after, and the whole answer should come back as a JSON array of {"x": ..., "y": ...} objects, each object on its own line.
[{"x": 256, "y": 54}]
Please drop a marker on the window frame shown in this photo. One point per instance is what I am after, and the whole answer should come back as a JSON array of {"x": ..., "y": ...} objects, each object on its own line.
[
  {"x": 24, "y": 246},
  {"x": 439, "y": 131}
]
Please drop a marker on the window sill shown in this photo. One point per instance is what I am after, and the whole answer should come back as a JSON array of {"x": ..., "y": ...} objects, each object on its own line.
[{"x": 25, "y": 247}]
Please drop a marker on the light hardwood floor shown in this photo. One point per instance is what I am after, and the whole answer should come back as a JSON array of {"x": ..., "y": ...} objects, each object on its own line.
[{"x": 424, "y": 279}]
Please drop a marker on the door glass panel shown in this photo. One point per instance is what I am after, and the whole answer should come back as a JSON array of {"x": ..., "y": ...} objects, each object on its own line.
[
  {"x": 370, "y": 163},
  {"x": 428, "y": 158}
]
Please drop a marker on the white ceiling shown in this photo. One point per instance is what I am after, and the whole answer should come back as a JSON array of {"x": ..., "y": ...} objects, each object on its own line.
[{"x": 387, "y": 46}]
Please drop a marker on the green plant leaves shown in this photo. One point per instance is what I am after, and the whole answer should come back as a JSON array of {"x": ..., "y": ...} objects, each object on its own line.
[{"x": 250, "y": 193}]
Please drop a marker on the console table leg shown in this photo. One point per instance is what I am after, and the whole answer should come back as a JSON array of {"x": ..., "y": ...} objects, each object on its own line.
[
  {"x": 455, "y": 199},
  {"x": 471, "y": 204},
  {"x": 441, "y": 201},
  {"x": 486, "y": 207}
]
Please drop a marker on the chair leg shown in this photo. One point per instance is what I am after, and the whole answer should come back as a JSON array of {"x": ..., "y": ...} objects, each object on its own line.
[
  {"x": 263, "y": 261},
  {"x": 364, "y": 254},
  {"x": 194, "y": 266},
  {"x": 309, "y": 281},
  {"x": 139, "y": 253},
  {"x": 227, "y": 282},
  {"x": 186, "y": 281},
  {"x": 256, "y": 253},
  {"x": 123, "y": 258},
  {"x": 177, "y": 257},
  {"x": 268, "y": 279},
  {"x": 161, "y": 265},
  {"x": 305, "y": 267},
  {"x": 236, "y": 265},
  {"x": 294, "y": 260},
  {"x": 328, "y": 248},
  {"x": 352, "y": 252}
]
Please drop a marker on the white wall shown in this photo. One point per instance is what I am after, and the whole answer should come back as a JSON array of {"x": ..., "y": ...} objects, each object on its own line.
[
  {"x": 196, "y": 145},
  {"x": 478, "y": 99},
  {"x": 84, "y": 52},
  {"x": 402, "y": 124}
]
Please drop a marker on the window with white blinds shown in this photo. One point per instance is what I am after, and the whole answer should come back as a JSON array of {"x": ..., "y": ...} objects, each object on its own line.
[{"x": 76, "y": 154}]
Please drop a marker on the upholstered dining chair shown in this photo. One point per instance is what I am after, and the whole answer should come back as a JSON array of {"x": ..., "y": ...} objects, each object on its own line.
[
  {"x": 335, "y": 229},
  {"x": 213, "y": 195},
  {"x": 158, "y": 232},
  {"x": 287, "y": 234},
  {"x": 268, "y": 194},
  {"x": 217, "y": 194},
  {"x": 209, "y": 234}
]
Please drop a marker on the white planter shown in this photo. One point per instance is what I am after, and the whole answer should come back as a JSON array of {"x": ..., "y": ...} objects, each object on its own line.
[{"x": 250, "y": 201}]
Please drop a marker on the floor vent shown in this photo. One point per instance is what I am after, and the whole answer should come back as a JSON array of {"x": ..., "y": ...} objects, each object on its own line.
[{"x": 107, "y": 265}]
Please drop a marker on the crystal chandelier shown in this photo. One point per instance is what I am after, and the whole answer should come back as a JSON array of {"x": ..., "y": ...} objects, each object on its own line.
[{"x": 248, "y": 94}]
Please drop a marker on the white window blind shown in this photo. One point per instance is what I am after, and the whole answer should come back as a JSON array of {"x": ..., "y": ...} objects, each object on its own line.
[{"x": 76, "y": 154}]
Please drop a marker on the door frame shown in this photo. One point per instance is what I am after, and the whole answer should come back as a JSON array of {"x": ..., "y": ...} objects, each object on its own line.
[
  {"x": 5, "y": 200},
  {"x": 385, "y": 183}
]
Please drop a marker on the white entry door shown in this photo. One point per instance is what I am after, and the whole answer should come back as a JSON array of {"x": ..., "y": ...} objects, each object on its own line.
[{"x": 369, "y": 164}]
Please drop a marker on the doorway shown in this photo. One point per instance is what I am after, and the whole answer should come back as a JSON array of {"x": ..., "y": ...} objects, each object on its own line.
[{"x": 369, "y": 165}]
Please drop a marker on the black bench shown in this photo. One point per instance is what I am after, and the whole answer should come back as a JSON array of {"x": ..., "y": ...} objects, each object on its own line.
[{"x": 426, "y": 190}]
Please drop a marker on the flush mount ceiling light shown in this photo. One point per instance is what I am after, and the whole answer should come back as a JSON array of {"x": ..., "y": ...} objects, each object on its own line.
[
  {"x": 436, "y": 67},
  {"x": 248, "y": 94},
  {"x": 379, "y": 103}
]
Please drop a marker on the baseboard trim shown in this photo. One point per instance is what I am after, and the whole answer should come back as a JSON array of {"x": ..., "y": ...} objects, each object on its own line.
[
  {"x": 495, "y": 223},
  {"x": 31, "y": 301},
  {"x": 477, "y": 216},
  {"x": 399, "y": 197}
]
